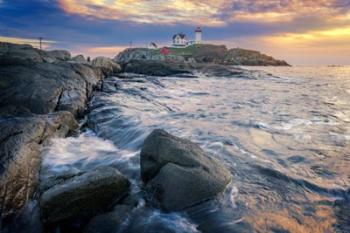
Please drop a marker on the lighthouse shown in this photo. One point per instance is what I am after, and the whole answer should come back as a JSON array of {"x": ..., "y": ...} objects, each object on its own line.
[{"x": 198, "y": 33}]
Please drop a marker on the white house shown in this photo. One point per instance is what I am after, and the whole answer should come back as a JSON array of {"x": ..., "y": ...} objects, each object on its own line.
[{"x": 180, "y": 40}]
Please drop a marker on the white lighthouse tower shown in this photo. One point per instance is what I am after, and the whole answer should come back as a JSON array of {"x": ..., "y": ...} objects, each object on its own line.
[{"x": 198, "y": 33}]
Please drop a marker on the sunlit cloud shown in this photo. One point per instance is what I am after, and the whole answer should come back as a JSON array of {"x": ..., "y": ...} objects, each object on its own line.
[
  {"x": 206, "y": 12},
  {"x": 150, "y": 11},
  {"x": 262, "y": 17},
  {"x": 330, "y": 46}
]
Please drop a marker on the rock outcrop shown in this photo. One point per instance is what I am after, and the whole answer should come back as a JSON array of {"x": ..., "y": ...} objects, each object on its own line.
[
  {"x": 41, "y": 93},
  {"x": 20, "y": 142},
  {"x": 43, "y": 88},
  {"x": 178, "y": 172},
  {"x": 132, "y": 54},
  {"x": 83, "y": 196},
  {"x": 200, "y": 53},
  {"x": 29, "y": 84},
  {"x": 156, "y": 68},
  {"x": 60, "y": 55},
  {"x": 246, "y": 57},
  {"x": 107, "y": 65},
  {"x": 80, "y": 59}
]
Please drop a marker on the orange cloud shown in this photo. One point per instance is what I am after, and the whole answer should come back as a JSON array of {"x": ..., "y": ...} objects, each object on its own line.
[
  {"x": 205, "y": 12},
  {"x": 150, "y": 11},
  {"x": 328, "y": 46}
]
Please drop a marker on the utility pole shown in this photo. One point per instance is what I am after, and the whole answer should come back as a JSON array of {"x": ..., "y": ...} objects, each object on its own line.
[
  {"x": 40, "y": 42},
  {"x": 130, "y": 44}
]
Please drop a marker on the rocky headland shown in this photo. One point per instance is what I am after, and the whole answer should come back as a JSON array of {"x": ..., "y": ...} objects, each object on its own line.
[
  {"x": 45, "y": 94},
  {"x": 200, "y": 57}
]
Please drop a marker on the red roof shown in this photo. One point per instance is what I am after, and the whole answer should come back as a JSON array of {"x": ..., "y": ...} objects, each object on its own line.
[{"x": 165, "y": 51}]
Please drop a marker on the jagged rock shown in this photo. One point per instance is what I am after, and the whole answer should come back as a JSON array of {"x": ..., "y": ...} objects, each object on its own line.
[
  {"x": 10, "y": 53},
  {"x": 156, "y": 68},
  {"x": 60, "y": 55},
  {"x": 33, "y": 82},
  {"x": 44, "y": 87},
  {"x": 80, "y": 59},
  {"x": 178, "y": 172},
  {"x": 107, "y": 65},
  {"x": 83, "y": 196},
  {"x": 21, "y": 139},
  {"x": 238, "y": 56},
  {"x": 109, "y": 222}
]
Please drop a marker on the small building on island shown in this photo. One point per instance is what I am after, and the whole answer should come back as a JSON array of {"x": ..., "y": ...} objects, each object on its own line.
[{"x": 180, "y": 39}]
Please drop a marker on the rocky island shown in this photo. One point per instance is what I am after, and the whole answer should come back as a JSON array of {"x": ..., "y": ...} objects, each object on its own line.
[
  {"x": 194, "y": 57},
  {"x": 45, "y": 94}
]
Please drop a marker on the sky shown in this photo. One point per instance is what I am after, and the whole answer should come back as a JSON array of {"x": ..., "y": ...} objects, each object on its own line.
[{"x": 302, "y": 32}]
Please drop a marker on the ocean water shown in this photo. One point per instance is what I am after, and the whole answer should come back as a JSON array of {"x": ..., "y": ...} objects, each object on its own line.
[{"x": 283, "y": 132}]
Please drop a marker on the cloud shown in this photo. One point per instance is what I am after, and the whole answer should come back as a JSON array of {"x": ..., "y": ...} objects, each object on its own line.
[
  {"x": 149, "y": 11},
  {"x": 212, "y": 13},
  {"x": 329, "y": 46}
]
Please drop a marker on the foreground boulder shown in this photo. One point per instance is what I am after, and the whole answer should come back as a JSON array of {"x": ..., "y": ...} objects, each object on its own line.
[
  {"x": 83, "y": 196},
  {"x": 43, "y": 88},
  {"x": 178, "y": 172},
  {"x": 107, "y": 65},
  {"x": 21, "y": 140}
]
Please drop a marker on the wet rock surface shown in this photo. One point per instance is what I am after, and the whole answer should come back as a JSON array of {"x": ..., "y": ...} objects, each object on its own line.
[
  {"x": 41, "y": 94},
  {"x": 43, "y": 88},
  {"x": 109, "y": 222},
  {"x": 178, "y": 172},
  {"x": 83, "y": 196},
  {"x": 20, "y": 143}
]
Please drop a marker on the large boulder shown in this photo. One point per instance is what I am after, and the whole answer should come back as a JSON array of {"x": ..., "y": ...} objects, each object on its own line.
[
  {"x": 46, "y": 87},
  {"x": 107, "y": 65},
  {"x": 83, "y": 196},
  {"x": 156, "y": 68},
  {"x": 178, "y": 172},
  {"x": 59, "y": 55},
  {"x": 80, "y": 59},
  {"x": 10, "y": 53},
  {"x": 21, "y": 139}
]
